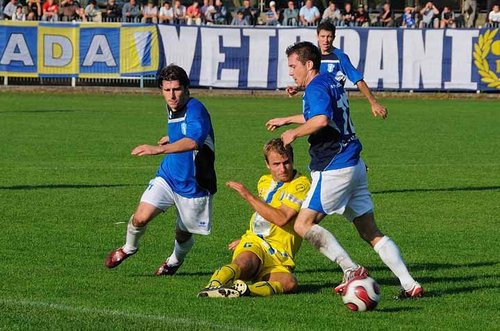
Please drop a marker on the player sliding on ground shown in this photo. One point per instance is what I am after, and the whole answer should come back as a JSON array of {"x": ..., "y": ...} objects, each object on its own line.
[
  {"x": 264, "y": 254},
  {"x": 339, "y": 183}
]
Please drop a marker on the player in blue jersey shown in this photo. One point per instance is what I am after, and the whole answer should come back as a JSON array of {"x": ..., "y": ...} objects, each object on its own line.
[
  {"x": 186, "y": 177},
  {"x": 337, "y": 63},
  {"x": 339, "y": 183}
]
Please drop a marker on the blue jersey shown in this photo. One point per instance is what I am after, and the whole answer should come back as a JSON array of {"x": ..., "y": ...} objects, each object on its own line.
[
  {"x": 339, "y": 65},
  {"x": 336, "y": 145},
  {"x": 191, "y": 173}
]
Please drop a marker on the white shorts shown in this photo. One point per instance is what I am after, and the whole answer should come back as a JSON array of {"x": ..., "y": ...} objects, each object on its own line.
[
  {"x": 194, "y": 215},
  {"x": 342, "y": 191}
]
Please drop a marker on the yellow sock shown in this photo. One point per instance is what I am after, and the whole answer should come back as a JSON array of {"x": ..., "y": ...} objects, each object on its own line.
[
  {"x": 265, "y": 289},
  {"x": 225, "y": 275}
]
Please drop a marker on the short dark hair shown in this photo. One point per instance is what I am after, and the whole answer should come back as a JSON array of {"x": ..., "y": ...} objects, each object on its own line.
[
  {"x": 305, "y": 51},
  {"x": 328, "y": 26},
  {"x": 173, "y": 72},
  {"x": 276, "y": 145}
]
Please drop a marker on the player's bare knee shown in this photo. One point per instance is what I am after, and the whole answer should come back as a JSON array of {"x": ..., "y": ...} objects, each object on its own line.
[
  {"x": 140, "y": 219},
  {"x": 289, "y": 286}
]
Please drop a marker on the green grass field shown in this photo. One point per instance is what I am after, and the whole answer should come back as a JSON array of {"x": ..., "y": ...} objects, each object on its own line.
[{"x": 68, "y": 185}]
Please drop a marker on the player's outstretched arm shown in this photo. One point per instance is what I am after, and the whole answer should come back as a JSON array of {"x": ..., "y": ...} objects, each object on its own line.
[
  {"x": 279, "y": 216},
  {"x": 277, "y": 122},
  {"x": 377, "y": 108},
  {"x": 312, "y": 125},
  {"x": 182, "y": 145}
]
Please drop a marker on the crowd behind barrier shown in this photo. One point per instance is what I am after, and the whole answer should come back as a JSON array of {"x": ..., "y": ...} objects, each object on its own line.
[{"x": 248, "y": 13}]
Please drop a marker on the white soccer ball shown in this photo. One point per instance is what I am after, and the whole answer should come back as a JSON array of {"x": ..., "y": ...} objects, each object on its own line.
[{"x": 361, "y": 293}]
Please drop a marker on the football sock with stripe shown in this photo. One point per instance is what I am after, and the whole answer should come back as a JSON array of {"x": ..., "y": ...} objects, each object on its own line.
[
  {"x": 390, "y": 255},
  {"x": 180, "y": 251},
  {"x": 326, "y": 243},
  {"x": 265, "y": 289},
  {"x": 225, "y": 275},
  {"x": 134, "y": 233}
]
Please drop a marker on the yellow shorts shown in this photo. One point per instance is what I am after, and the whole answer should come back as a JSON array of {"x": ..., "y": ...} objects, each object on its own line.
[{"x": 273, "y": 260}]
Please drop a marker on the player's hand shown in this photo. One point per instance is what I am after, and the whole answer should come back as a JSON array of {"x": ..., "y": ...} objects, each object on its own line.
[
  {"x": 291, "y": 90},
  {"x": 146, "y": 150},
  {"x": 288, "y": 137},
  {"x": 379, "y": 110},
  {"x": 238, "y": 187},
  {"x": 163, "y": 140},
  {"x": 275, "y": 123},
  {"x": 232, "y": 245}
]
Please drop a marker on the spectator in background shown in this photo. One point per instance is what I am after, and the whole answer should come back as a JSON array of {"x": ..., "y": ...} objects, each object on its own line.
[
  {"x": 348, "y": 15},
  {"x": 207, "y": 11},
  {"x": 408, "y": 18},
  {"x": 69, "y": 10},
  {"x": 166, "y": 14},
  {"x": 470, "y": 11},
  {"x": 250, "y": 14},
  {"x": 92, "y": 13},
  {"x": 361, "y": 17},
  {"x": 290, "y": 15},
  {"x": 272, "y": 15},
  {"x": 447, "y": 18},
  {"x": 309, "y": 15},
  {"x": 179, "y": 13},
  {"x": 239, "y": 19},
  {"x": 19, "y": 15},
  {"x": 220, "y": 14},
  {"x": 494, "y": 17},
  {"x": 131, "y": 12},
  {"x": 112, "y": 11},
  {"x": 386, "y": 18},
  {"x": 429, "y": 16},
  {"x": 10, "y": 9},
  {"x": 150, "y": 13},
  {"x": 50, "y": 11},
  {"x": 34, "y": 10},
  {"x": 332, "y": 14},
  {"x": 193, "y": 14}
]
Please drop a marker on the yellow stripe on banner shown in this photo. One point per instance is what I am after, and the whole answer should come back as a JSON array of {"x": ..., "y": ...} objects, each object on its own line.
[
  {"x": 19, "y": 23},
  {"x": 19, "y": 74},
  {"x": 139, "y": 49},
  {"x": 58, "y": 50}
]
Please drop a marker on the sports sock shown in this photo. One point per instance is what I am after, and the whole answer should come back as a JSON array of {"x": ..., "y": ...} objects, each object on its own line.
[
  {"x": 390, "y": 255},
  {"x": 326, "y": 243},
  {"x": 265, "y": 289},
  {"x": 180, "y": 251},
  {"x": 224, "y": 275},
  {"x": 134, "y": 233}
]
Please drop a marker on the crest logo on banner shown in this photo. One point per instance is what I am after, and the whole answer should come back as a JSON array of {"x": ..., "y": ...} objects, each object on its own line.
[{"x": 485, "y": 46}]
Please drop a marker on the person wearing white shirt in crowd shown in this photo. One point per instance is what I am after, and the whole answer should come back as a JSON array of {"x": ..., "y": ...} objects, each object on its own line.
[
  {"x": 19, "y": 15},
  {"x": 10, "y": 10},
  {"x": 309, "y": 14},
  {"x": 494, "y": 17},
  {"x": 150, "y": 13},
  {"x": 166, "y": 13},
  {"x": 332, "y": 14}
]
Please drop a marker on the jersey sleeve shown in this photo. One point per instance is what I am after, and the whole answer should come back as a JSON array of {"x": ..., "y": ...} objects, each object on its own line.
[
  {"x": 352, "y": 73},
  {"x": 296, "y": 193},
  {"x": 319, "y": 100},
  {"x": 263, "y": 185},
  {"x": 197, "y": 124}
]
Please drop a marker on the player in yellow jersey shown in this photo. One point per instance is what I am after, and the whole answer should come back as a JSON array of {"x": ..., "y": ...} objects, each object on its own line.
[{"x": 262, "y": 262}]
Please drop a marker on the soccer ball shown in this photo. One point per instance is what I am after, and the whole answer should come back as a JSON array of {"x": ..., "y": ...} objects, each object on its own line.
[{"x": 361, "y": 293}]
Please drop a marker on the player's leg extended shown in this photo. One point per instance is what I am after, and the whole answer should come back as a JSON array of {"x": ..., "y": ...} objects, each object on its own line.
[
  {"x": 183, "y": 243},
  {"x": 135, "y": 229},
  {"x": 322, "y": 239},
  {"x": 388, "y": 251},
  {"x": 274, "y": 283}
]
